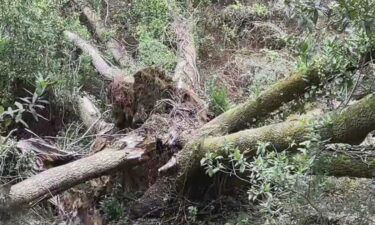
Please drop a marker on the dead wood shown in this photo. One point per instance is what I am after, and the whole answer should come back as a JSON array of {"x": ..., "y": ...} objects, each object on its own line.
[
  {"x": 47, "y": 154},
  {"x": 108, "y": 72},
  {"x": 247, "y": 114},
  {"x": 346, "y": 160},
  {"x": 348, "y": 126},
  {"x": 91, "y": 116},
  {"x": 99, "y": 30},
  {"x": 186, "y": 72},
  {"x": 126, "y": 151}
]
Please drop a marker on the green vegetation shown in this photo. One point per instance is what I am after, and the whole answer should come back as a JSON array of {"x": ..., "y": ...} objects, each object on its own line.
[{"x": 324, "y": 50}]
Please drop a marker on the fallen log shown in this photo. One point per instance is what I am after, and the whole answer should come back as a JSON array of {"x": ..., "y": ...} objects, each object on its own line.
[
  {"x": 350, "y": 125},
  {"x": 91, "y": 116},
  {"x": 108, "y": 72},
  {"x": 186, "y": 73},
  {"x": 346, "y": 160},
  {"x": 248, "y": 113},
  {"x": 61, "y": 178},
  {"x": 95, "y": 24}
]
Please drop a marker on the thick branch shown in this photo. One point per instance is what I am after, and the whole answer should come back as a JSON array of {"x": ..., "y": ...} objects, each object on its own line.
[
  {"x": 116, "y": 49},
  {"x": 99, "y": 63},
  {"x": 61, "y": 178},
  {"x": 350, "y": 125},
  {"x": 244, "y": 115},
  {"x": 346, "y": 160},
  {"x": 91, "y": 116}
]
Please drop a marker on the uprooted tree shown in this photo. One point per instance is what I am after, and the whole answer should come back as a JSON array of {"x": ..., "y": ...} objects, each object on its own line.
[{"x": 136, "y": 97}]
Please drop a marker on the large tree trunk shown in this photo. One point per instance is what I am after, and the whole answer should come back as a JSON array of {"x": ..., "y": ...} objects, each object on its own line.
[
  {"x": 247, "y": 114},
  {"x": 58, "y": 179},
  {"x": 346, "y": 160},
  {"x": 348, "y": 126},
  {"x": 186, "y": 72}
]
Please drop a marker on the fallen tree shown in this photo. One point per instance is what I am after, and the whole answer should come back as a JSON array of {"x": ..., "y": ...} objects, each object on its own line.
[
  {"x": 99, "y": 30},
  {"x": 55, "y": 180},
  {"x": 108, "y": 72},
  {"x": 346, "y": 160},
  {"x": 350, "y": 125}
]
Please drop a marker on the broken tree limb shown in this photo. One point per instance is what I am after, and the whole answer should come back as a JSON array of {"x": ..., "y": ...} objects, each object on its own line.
[
  {"x": 58, "y": 179},
  {"x": 350, "y": 125},
  {"x": 246, "y": 114},
  {"x": 61, "y": 178},
  {"x": 107, "y": 71},
  {"x": 346, "y": 160},
  {"x": 95, "y": 24},
  {"x": 91, "y": 116},
  {"x": 47, "y": 154}
]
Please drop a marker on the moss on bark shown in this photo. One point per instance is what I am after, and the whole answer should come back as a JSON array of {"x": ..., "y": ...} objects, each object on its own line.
[
  {"x": 347, "y": 160},
  {"x": 246, "y": 114}
]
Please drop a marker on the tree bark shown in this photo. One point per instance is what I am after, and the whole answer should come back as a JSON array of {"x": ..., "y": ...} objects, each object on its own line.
[
  {"x": 350, "y": 125},
  {"x": 186, "y": 72},
  {"x": 95, "y": 24},
  {"x": 91, "y": 116},
  {"x": 346, "y": 160},
  {"x": 58, "y": 179},
  {"x": 246, "y": 114},
  {"x": 108, "y": 72}
]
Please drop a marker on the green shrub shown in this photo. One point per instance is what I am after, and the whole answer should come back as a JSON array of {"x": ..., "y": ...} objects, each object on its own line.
[
  {"x": 218, "y": 99},
  {"x": 152, "y": 52}
]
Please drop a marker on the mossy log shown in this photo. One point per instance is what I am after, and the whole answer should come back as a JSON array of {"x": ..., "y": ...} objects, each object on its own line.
[
  {"x": 346, "y": 160},
  {"x": 246, "y": 114},
  {"x": 350, "y": 125}
]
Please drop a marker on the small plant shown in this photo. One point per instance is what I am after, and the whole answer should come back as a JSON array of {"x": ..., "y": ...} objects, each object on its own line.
[
  {"x": 152, "y": 52},
  {"x": 278, "y": 180},
  {"x": 260, "y": 9},
  {"x": 112, "y": 208},
  {"x": 192, "y": 213},
  {"x": 218, "y": 98},
  {"x": 27, "y": 105},
  {"x": 305, "y": 55}
]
